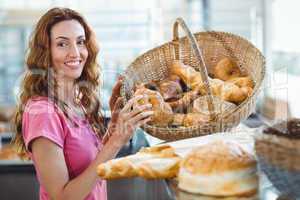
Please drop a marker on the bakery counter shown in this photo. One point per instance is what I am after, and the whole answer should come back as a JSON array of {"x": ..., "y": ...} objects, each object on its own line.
[
  {"x": 160, "y": 189},
  {"x": 18, "y": 180}
]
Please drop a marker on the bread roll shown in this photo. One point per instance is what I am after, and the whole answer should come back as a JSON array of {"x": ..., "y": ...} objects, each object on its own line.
[
  {"x": 242, "y": 81},
  {"x": 219, "y": 169},
  {"x": 226, "y": 69},
  {"x": 170, "y": 88}
]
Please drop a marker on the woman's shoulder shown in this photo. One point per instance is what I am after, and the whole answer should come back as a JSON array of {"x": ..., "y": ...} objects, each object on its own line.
[{"x": 40, "y": 104}]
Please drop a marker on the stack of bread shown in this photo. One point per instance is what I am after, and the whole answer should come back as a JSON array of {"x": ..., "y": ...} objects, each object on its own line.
[
  {"x": 180, "y": 99},
  {"x": 217, "y": 168}
]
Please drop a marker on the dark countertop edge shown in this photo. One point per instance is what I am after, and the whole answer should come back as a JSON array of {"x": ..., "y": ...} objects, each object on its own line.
[{"x": 15, "y": 162}]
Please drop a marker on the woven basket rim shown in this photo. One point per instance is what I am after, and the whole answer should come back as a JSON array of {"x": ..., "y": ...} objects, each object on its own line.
[{"x": 256, "y": 89}]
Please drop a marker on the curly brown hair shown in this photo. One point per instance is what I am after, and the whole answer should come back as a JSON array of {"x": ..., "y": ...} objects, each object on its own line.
[{"x": 39, "y": 79}]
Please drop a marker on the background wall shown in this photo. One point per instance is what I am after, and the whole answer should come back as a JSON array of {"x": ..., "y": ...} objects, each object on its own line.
[{"x": 125, "y": 29}]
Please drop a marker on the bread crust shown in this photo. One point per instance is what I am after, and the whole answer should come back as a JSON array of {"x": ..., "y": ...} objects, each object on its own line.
[
  {"x": 151, "y": 162},
  {"x": 219, "y": 169},
  {"x": 218, "y": 157}
]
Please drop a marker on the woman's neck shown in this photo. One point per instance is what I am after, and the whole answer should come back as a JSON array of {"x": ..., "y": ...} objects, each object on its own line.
[{"x": 66, "y": 91}]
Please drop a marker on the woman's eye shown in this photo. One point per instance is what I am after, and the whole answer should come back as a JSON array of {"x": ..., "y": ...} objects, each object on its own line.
[
  {"x": 62, "y": 44},
  {"x": 81, "y": 42}
]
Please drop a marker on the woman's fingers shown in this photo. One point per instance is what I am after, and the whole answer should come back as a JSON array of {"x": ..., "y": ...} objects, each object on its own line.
[
  {"x": 115, "y": 92},
  {"x": 143, "y": 122},
  {"x": 140, "y": 116},
  {"x": 116, "y": 109},
  {"x": 130, "y": 103},
  {"x": 118, "y": 105},
  {"x": 139, "y": 109}
]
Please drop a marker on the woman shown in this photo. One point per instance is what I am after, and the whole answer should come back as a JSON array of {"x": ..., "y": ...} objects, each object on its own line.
[{"x": 58, "y": 122}]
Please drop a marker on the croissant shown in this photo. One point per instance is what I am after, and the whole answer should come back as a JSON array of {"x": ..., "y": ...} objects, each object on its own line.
[
  {"x": 227, "y": 91},
  {"x": 152, "y": 162},
  {"x": 163, "y": 114},
  {"x": 188, "y": 74}
]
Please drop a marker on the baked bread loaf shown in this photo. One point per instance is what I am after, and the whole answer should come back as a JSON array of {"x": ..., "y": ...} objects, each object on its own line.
[
  {"x": 152, "y": 162},
  {"x": 219, "y": 169}
]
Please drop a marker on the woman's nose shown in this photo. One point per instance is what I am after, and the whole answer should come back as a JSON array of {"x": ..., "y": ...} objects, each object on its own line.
[{"x": 74, "y": 51}]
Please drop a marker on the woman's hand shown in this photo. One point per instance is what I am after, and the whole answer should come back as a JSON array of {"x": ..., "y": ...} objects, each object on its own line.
[
  {"x": 115, "y": 93},
  {"x": 125, "y": 120}
]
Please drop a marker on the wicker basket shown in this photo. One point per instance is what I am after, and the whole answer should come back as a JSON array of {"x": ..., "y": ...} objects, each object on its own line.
[
  {"x": 153, "y": 65},
  {"x": 278, "y": 158}
]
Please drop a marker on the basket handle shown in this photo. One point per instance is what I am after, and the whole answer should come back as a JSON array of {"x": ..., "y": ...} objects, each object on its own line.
[{"x": 199, "y": 57}]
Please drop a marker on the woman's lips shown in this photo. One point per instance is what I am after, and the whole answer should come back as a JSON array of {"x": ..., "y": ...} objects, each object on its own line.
[{"x": 73, "y": 64}]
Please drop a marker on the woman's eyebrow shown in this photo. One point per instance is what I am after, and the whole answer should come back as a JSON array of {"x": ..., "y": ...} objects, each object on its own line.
[
  {"x": 66, "y": 38},
  {"x": 80, "y": 37},
  {"x": 62, "y": 37}
]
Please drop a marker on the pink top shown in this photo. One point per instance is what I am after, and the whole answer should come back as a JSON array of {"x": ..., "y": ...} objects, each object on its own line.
[{"x": 80, "y": 145}]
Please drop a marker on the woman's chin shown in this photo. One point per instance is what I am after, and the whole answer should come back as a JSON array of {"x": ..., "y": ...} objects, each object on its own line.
[{"x": 72, "y": 76}]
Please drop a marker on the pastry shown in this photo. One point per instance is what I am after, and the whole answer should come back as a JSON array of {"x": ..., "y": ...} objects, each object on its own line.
[
  {"x": 170, "y": 88},
  {"x": 188, "y": 74},
  {"x": 242, "y": 81},
  {"x": 181, "y": 105},
  {"x": 226, "y": 69},
  {"x": 163, "y": 114},
  {"x": 227, "y": 91}
]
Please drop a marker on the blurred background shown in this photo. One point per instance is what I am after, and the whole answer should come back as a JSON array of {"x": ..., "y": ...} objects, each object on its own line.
[{"x": 127, "y": 28}]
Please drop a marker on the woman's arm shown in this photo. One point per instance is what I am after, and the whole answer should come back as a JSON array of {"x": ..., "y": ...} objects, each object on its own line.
[{"x": 50, "y": 161}]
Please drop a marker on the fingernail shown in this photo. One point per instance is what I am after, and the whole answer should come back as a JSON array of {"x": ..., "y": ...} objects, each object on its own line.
[
  {"x": 121, "y": 77},
  {"x": 151, "y": 112}
]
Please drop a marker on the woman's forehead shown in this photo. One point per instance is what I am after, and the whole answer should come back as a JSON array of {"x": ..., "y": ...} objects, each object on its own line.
[{"x": 67, "y": 29}]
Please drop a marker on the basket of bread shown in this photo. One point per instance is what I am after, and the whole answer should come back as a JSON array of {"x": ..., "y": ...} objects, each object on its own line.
[
  {"x": 278, "y": 152},
  {"x": 203, "y": 83}
]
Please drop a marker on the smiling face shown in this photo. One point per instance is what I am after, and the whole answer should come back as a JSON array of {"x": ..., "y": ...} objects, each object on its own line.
[{"x": 68, "y": 49}]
